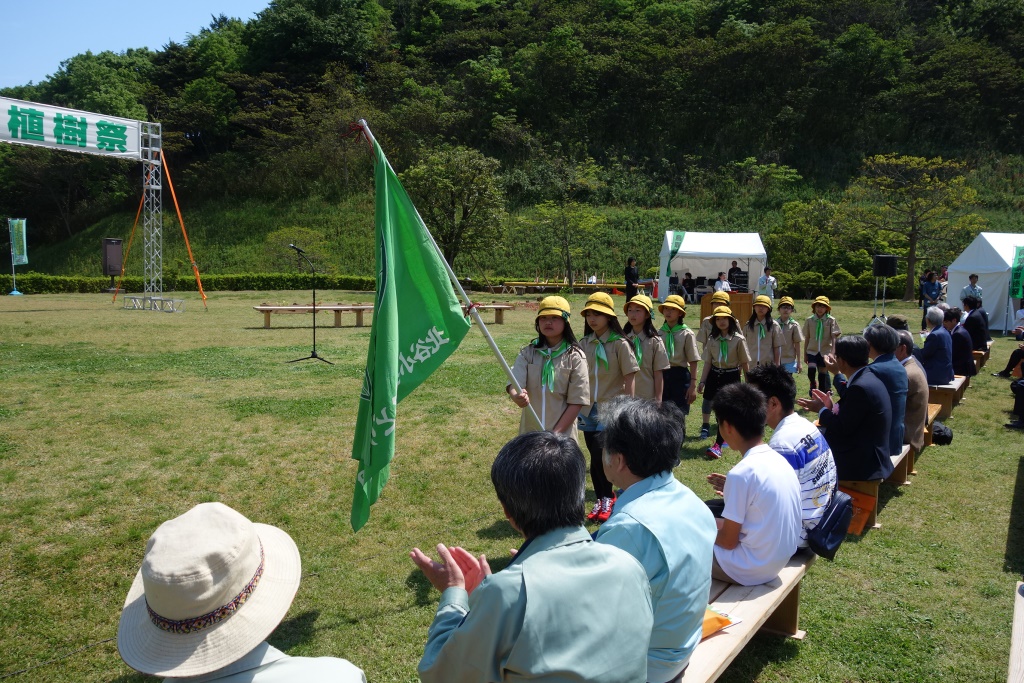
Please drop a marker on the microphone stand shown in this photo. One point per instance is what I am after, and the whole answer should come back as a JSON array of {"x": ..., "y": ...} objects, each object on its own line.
[{"x": 312, "y": 269}]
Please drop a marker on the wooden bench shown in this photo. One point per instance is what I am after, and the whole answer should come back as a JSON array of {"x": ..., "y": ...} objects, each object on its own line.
[
  {"x": 947, "y": 395},
  {"x": 773, "y": 607},
  {"x": 900, "y": 466},
  {"x": 338, "y": 309},
  {"x": 1016, "y": 674},
  {"x": 933, "y": 413},
  {"x": 499, "y": 311}
]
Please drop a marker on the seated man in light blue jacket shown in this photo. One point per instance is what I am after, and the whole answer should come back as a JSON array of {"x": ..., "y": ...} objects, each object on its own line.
[
  {"x": 661, "y": 523},
  {"x": 565, "y": 609}
]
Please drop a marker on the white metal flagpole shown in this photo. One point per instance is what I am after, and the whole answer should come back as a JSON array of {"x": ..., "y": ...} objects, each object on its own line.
[{"x": 469, "y": 304}]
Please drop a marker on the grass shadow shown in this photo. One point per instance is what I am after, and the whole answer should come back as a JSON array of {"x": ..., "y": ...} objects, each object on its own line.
[
  {"x": 887, "y": 492},
  {"x": 1014, "y": 554},
  {"x": 294, "y": 631},
  {"x": 762, "y": 650},
  {"x": 497, "y": 531},
  {"x": 417, "y": 582}
]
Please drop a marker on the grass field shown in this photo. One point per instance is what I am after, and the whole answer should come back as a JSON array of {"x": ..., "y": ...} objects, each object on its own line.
[{"x": 112, "y": 421}]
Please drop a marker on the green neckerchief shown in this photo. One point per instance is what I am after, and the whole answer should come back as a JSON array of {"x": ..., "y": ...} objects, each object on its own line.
[
  {"x": 723, "y": 349},
  {"x": 820, "y": 334},
  {"x": 599, "y": 352},
  {"x": 670, "y": 338},
  {"x": 760, "y": 330},
  {"x": 638, "y": 348},
  {"x": 547, "y": 374}
]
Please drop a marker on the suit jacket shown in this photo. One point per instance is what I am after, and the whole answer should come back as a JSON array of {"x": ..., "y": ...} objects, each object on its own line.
[
  {"x": 890, "y": 371},
  {"x": 963, "y": 358},
  {"x": 859, "y": 434},
  {"x": 917, "y": 404},
  {"x": 936, "y": 356},
  {"x": 976, "y": 324}
]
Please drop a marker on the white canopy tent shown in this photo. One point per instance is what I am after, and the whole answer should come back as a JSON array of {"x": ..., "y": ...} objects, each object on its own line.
[
  {"x": 705, "y": 254},
  {"x": 990, "y": 256}
]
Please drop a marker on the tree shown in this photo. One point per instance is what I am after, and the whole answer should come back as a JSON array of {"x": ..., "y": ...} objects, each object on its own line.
[
  {"x": 456, "y": 191},
  {"x": 568, "y": 222},
  {"x": 920, "y": 202}
]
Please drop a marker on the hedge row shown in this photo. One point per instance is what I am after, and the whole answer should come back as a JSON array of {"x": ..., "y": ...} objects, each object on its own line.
[{"x": 39, "y": 283}]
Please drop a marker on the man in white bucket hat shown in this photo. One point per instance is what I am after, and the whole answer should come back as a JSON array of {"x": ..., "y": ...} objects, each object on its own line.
[{"x": 212, "y": 587}]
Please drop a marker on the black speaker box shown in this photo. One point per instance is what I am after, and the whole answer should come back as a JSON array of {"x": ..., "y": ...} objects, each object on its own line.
[{"x": 885, "y": 265}]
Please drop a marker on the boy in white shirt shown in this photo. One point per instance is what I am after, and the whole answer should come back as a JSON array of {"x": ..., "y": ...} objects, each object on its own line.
[{"x": 759, "y": 520}]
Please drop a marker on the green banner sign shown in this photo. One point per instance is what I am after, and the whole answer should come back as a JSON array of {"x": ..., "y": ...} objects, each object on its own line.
[
  {"x": 19, "y": 250},
  {"x": 1017, "y": 274}
]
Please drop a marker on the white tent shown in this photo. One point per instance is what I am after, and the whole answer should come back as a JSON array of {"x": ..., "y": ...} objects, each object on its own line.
[
  {"x": 990, "y": 256},
  {"x": 705, "y": 254}
]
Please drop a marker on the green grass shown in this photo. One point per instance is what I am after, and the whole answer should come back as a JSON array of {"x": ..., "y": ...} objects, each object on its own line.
[{"x": 112, "y": 421}]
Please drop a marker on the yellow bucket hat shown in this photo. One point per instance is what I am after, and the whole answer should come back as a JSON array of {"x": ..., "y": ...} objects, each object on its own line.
[
  {"x": 639, "y": 300},
  {"x": 787, "y": 301},
  {"x": 599, "y": 302},
  {"x": 823, "y": 300},
  {"x": 673, "y": 301},
  {"x": 723, "y": 312},
  {"x": 720, "y": 298},
  {"x": 763, "y": 300},
  {"x": 554, "y": 305}
]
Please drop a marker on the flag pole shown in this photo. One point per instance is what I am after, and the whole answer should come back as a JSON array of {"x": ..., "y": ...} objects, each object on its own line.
[{"x": 458, "y": 286}]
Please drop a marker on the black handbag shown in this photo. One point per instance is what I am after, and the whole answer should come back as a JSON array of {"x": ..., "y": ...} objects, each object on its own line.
[
  {"x": 941, "y": 434},
  {"x": 825, "y": 538}
]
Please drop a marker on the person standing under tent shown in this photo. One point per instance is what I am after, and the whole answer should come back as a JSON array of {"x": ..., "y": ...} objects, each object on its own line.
[
  {"x": 931, "y": 292},
  {"x": 632, "y": 278},
  {"x": 553, "y": 369},
  {"x": 820, "y": 331},
  {"x": 612, "y": 372},
  {"x": 734, "y": 272},
  {"x": 763, "y": 336},
  {"x": 725, "y": 355},
  {"x": 971, "y": 289},
  {"x": 648, "y": 349},
  {"x": 792, "y": 337},
  {"x": 681, "y": 346},
  {"x": 767, "y": 284}
]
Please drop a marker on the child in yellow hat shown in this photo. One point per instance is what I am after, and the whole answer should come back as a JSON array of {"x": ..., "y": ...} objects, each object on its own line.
[
  {"x": 681, "y": 347},
  {"x": 820, "y": 332},
  {"x": 552, "y": 369},
  {"x": 763, "y": 336},
  {"x": 612, "y": 370},
  {"x": 648, "y": 349},
  {"x": 718, "y": 299},
  {"x": 725, "y": 355},
  {"x": 792, "y": 337}
]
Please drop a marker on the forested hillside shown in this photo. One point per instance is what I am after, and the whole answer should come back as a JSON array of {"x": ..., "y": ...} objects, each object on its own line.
[{"x": 558, "y": 134}]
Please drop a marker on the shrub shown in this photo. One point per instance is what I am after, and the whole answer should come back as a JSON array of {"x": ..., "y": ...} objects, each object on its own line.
[
  {"x": 40, "y": 283},
  {"x": 808, "y": 284},
  {"x": 839, "y": 284}
]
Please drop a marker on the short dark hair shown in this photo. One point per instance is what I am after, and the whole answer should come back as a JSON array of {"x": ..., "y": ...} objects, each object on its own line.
[
  {"x": 881, "y": 338},
  {"x": 953, "y": 314},
  {"x": 647, "y": 434},
  {"x": 972, "y": 302},
  {"x": 767, "y": 268},
  {"x": 972, "y": 275},
  {"x": 853, "y": 349},
  {"x": 898, "y": 322},
  {"x": 906, "y": 340},
  {"x": 540, "y": 478},
  {"x": 721, "y": 273},
  {"x": 774, "y": 380},
  {"x": 744, "y": 407}
]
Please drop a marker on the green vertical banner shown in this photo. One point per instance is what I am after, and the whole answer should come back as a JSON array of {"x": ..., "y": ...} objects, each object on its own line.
[
  {"x": 19, "y": 249},
  {"x": 417, "y": 323},
  {"x": 1017, "y": 274}
]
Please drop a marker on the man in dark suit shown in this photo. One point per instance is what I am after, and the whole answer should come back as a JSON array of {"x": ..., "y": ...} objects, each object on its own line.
[
  {"x": 858, "y": 432},
  {"x": 882, "y": 342},
  {"x": 976, "y": 323},
  {"x": 937, "y": 353},
  {"x": 963, "y": 358}
]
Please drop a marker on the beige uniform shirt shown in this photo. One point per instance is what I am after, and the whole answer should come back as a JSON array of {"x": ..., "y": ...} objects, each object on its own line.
[
  {"x": 572, "y": 386},
  {"x": 606, "y": 382},
  {"x": 762, "y": 351},
  {"x": 655, "y": 357},
  {"x": 830, "y": 331},
  {"x": 705, "y": 331},
  {"x": 685, "y": 350},
  {"x": 791, "y": 338},
  {"x": 737, "y": 353}
]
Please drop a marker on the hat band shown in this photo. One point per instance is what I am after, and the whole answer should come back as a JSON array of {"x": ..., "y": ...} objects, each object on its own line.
[{"x": 216, "y": 616}]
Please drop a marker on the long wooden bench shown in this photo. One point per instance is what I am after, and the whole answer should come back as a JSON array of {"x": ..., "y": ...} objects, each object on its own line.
[
  {"x": 933, "y": 413},
  {"x": 499, "y": 311},
  {"x": 337, "y": 309},
  {"x": 947, "y": 395},
  {"x": 1016, "y": 674},
  {"x": 773, "y": 607},
  {"x": 898, "y": 477}
]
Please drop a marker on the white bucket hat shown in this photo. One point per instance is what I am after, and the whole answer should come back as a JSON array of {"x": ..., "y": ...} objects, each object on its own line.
[{"x": 212, "y": 586}]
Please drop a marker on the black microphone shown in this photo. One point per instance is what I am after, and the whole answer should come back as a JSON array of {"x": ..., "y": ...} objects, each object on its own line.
[{"x": 296, "y": 248}]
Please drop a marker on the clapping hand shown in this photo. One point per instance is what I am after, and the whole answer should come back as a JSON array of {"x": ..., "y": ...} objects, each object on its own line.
[
  {"x": 717, "y": 482},
  {"x": 474, "y": 569},
  {"x": 444, "y": 574},
  {"x": 820, "y": 400}
]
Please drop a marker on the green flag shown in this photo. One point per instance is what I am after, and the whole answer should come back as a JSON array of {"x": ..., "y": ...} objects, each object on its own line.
[
  {"x": 417, "y": 323},
  {"x": 1017, "y": 274},
  {"x": 19, "y": 252}
]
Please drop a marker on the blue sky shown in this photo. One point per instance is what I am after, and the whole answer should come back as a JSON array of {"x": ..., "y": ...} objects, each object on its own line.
[{"x": 38, "y": 36}]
